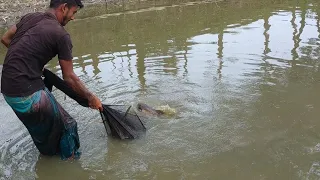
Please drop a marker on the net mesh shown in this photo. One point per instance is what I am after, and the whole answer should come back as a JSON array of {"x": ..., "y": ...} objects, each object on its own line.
[{"x": 121, "y": 123}]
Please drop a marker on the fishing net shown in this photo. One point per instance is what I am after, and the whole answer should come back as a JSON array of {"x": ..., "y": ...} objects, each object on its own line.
[
  {"x": 122, "y": 124},
  {"x": 118, "y": 120}
]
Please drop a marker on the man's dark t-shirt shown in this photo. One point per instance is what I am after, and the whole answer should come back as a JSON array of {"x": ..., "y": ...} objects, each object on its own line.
[{"x": 39, "y": 38}]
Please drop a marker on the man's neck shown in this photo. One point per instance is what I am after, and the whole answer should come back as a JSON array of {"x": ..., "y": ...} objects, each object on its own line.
[{"x": 53, "y": 13}]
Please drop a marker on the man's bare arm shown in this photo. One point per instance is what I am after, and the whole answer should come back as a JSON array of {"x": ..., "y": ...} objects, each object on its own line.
[
  {"x": 75, "y": 83},
  {"x": 7, "y": 37}
]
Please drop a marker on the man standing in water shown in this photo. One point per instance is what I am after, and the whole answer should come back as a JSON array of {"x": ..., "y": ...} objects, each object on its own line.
[{"x": 32, "y": 43}]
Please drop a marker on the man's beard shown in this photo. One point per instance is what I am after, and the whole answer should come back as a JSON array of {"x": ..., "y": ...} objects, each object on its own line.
[{"x": 64, "y": 20}]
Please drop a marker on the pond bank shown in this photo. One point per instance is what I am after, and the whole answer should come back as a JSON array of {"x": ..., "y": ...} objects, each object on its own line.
[{"x": 11, "y": 12}]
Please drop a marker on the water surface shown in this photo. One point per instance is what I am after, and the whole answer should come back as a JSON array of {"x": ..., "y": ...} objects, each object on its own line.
[{"x": 242, "y": 75}]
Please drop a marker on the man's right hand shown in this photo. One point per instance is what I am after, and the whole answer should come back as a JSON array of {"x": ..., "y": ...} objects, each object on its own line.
[{"x": 95, "y": 103}]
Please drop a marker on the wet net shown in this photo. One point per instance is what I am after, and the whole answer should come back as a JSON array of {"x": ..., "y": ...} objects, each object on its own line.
[
  {"x": 122, "y": 124},
  {"x": 118, "y": 120}
]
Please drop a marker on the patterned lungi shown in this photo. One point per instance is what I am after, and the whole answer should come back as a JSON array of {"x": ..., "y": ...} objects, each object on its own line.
[{"x": 52, "y": 129}]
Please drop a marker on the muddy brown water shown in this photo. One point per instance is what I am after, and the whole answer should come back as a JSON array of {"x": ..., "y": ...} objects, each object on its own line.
[{"x": 243, "y": 77}]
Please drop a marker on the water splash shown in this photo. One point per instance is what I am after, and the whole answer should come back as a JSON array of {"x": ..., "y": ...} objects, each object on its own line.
[{"x": 167, "y": 109}]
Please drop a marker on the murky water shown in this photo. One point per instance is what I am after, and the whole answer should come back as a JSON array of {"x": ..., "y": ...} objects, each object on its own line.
[{"x": 243, "y": 77}]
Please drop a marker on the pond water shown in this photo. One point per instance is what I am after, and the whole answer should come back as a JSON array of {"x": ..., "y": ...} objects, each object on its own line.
[{"x": 243, "y": 77}]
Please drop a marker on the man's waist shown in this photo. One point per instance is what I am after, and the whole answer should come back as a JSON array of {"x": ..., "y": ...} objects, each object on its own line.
[{"x": 23, "y": 88}]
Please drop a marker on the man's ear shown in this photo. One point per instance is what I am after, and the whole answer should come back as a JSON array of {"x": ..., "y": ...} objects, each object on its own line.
[{"x": 63, "y": 7}]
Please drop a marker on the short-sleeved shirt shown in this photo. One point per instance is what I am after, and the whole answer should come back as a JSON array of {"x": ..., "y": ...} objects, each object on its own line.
[{"x": 38, "y": 39}]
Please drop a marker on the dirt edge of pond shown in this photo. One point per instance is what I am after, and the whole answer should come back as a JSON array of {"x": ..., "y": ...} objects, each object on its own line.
[{"x": 11, "y": 12}]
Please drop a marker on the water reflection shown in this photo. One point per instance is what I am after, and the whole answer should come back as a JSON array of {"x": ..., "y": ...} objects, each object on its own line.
[
  {"x": 141, "y": 68},
  {"x": 154, "y": 45},
  {"x": 266, "y": 34},
  {"x": 243, "y": 80}
]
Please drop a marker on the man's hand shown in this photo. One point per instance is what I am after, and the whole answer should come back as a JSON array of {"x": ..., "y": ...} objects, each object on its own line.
[
  {"x": 95, "y": 103},
  {"x": 7, "y": 37}
]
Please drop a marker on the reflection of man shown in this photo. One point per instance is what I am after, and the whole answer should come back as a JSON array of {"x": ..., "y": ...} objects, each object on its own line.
[{"x": 32, "y": 43}]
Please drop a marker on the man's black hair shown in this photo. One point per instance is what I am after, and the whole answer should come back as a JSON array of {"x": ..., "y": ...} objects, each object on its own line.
[{"x": 57, "y": 3}]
